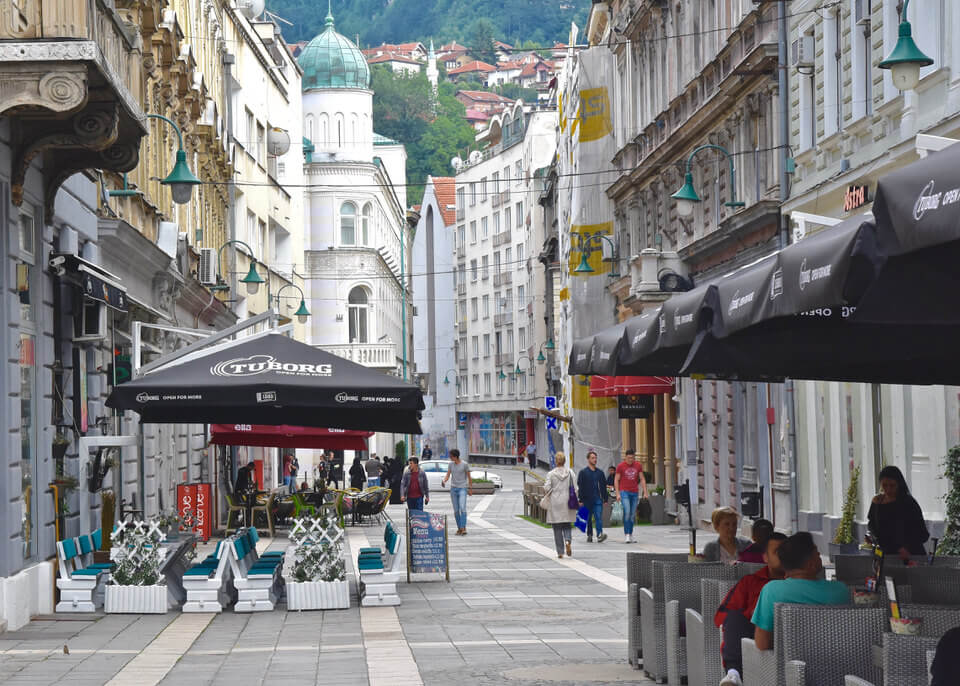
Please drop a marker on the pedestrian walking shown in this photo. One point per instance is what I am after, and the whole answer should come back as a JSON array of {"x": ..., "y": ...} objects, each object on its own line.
[
  {"x": 373, "y": 471},
  {"x": 559, "y": 515},
  {"x": 426, "y": 454},
  {"x": 532, "y": 454},
  {"x": 592, "y": 494},
  {"x": 414, "y": 489},
  {"x": 461, "y": 485},
  {"x": 628, "y": 484},
  {"x": 288, "y": 472},
  {"x": 334, "y": 471},
  {"x": 358, "y": 476}
]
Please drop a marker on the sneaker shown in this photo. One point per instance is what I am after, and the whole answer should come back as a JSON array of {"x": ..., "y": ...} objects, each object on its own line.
[
  {"x": 569, "y": 550},
  {"x": 601, "y": 538},
  {"x": 626, "y": 538},
  {"x": 731, "y": 679},
  {"x": 589, "y": 539}
]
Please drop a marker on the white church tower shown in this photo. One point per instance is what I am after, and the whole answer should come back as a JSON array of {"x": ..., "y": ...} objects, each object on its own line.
[{"x": 433, "y": 74}]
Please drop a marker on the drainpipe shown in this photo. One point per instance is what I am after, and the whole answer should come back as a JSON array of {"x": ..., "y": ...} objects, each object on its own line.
[{"x": 788, "y": 386}]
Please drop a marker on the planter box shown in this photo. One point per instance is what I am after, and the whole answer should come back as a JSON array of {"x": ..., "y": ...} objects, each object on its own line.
[
  {"x": 136, "y": 599},
  {"x": 318, "y": 595},
  {"x": 658, "y": 509},
  {"x": 843, "y": 549},
  {"x": 484, "y": 489}
]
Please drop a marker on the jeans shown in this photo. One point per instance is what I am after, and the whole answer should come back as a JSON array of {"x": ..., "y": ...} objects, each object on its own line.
[
  {"x": 288, "y": 482},
  {"x": 596, "y": 515},
  {"x": 561, "y": 535},
  {"x": 459, "y": 498},
  {"x": 415, "y": 503},
  {"x": 629, "y": 500},
  {"x": 735, "y": 627}
]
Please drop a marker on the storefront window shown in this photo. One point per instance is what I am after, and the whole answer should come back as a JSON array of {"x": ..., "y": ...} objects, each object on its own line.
[
  {"x": 28, "y": 448},
  {"x": 492, "y": 434}
]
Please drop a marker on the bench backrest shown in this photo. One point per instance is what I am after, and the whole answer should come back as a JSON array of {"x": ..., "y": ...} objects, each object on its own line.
[
  {"x": 937, "y": 619},
  {"x": 67, "y": 554}
]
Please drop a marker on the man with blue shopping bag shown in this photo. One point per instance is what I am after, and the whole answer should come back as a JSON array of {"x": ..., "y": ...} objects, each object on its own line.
[{"x": 592, "y": 489}]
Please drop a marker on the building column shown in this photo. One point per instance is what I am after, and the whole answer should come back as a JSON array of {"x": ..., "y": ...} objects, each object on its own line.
[
  {"x": 670, "y": 457},
  {"x": 658, "y": 440}
]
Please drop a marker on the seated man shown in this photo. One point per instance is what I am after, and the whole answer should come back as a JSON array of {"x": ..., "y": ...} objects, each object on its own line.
[
  {"x": 946, "y": 661},
  {"x": 759, "y": 533},
  {"x": 737, "y": 608},
  {"x": 802, "y": 566}
]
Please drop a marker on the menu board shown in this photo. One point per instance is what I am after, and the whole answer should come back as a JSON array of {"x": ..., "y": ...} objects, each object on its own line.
[{"x": 427, "y": 550}]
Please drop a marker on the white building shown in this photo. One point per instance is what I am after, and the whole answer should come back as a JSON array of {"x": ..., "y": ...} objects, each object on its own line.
[
  {"x": 357, "y": 237},
  {"x": 434, "y": 326},
  {"x": 500, "y": 326}
]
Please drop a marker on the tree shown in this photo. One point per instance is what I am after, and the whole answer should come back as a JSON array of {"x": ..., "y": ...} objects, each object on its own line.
[
  {"x": 402, "y": 104},
  {"x": 480, "y": 40}
]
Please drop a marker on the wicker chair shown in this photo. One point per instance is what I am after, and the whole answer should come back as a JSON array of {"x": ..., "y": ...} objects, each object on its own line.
[
  {"x": 703, "y": 638},
  {"x": 816, "y": 645},
  {"x": 640, "y": 573},
  {"x": 933, "y": 585}
]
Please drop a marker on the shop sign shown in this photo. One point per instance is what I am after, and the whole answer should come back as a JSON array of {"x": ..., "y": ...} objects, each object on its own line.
[
  {"x": 634, "y": 406},
  {"x": 854, "y": 197}
]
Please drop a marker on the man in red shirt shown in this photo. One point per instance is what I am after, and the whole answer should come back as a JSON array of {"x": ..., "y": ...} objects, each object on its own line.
[
  {"x": 627, "y": 485},
  {"x": 414, "y": 488},
  {"x": 737, "y": 608}
]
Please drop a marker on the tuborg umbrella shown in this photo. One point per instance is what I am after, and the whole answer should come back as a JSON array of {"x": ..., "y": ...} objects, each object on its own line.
[
  {"x": 285, "y": 436},
  {"x": 273, "y": 380}
]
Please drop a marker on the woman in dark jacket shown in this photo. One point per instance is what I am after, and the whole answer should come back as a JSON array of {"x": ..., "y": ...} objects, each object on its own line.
[
  {"x": 895, "y": 518},
  {"x": 358, "y": 475}
]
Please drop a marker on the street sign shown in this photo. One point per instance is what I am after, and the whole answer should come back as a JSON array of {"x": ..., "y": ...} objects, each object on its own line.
[
  {"x": 551, "y": 403},
  {"x": 462, "y": 416}
]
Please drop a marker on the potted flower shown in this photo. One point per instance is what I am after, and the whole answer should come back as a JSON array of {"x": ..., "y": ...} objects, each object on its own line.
[
  {"x": 317, "y": 579},
  {"x": 60, "y": 445},
  {"x": 844, "y": 541},
  {"x": 136, "y": 584}
]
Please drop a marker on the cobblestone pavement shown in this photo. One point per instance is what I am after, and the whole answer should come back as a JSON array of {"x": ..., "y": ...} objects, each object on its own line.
[{"x": 512, "y": 614}]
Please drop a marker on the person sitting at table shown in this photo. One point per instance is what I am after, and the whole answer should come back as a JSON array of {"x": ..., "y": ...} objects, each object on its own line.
[
  {"x": 895, "y": 517},
  {"x": 734, "y": 613},
  {"x": 728, "y": 545},
  {"x": 802, "y": 567},
  {"x": 245, "y": 480},
  {"x": 760, "y": 533},
  {"x": 358, "y": 475},
  {"x": 946, "y": 660}
]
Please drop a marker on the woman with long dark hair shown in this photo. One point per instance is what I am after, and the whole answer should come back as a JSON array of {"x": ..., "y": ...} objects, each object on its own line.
[{"x": 895, "y": 518}]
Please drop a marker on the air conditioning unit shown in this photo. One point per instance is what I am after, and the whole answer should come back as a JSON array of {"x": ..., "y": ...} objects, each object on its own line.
[
  {"x": 861, "y": 12},
  {"x": 93, "y": 326},
  {"x": 207, "y": 271},
  {"x": 802, "y": 52}
]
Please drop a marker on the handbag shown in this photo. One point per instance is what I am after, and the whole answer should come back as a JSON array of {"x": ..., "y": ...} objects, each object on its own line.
[
  {"x": 572, "y": 501},
  {"x": 616, "y": 513}
]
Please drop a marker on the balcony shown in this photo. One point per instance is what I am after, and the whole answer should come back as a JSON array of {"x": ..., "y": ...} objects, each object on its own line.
[
  {"x": 503, "y": 319},
  {"x": 503, "y": 279},
  {"x": 505, "y": 196},
  {"x": 461, "y": 251},
  {"x": 495, "y": 200},
  {"x": 462, "y": 364},
  {"x": 461, "y": 289},
  {"x": 501, "y": 238},
  {"x": 375, "y": 355},
  {"x": 70, "y": 70}
]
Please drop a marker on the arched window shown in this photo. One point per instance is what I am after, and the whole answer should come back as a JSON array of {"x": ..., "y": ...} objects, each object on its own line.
[
  {"x": 348, "y": 224},
  {"x": 357, "y": 306},
  {"x": 324, "y": 129},
  {"x": 365, "y": 224}
]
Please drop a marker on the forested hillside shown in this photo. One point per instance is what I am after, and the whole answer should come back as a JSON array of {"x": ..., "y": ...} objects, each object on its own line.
[{"x": 394, "y": 21}]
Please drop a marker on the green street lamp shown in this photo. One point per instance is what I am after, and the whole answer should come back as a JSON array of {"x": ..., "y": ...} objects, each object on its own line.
[
  {"x": 550, "y": 345},
  {"x": 906, "y": 59},
  {"x": 540, "y": 358},
  {"x": 687, "y": 197},
  {"x": 252, "y": 280},
  {"x": 181, "y": 180},
  {"x": 518, "y": 371},
  {"x": 302, "y": 312},
  {"x": 446, "y": 377},
  {"x": 584, "y": 266}
]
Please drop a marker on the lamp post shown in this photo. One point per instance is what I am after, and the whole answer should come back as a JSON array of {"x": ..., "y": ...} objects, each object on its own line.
[
  {"x": 687, "y": 197},
  {"x": 252, "y": 279},
  {"x": 584, "y": 266},
  {"x": 549, "y": 346},
  {"x": 446, "y": 377},
  {"x": 302, "y": 312},
  {"x": 906, "y": 59},
  {"x": 181, "y": 180}
]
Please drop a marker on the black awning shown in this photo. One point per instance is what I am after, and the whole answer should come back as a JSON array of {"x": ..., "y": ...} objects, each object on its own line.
[
  {"x": 273, "y": 380},
  {"x": 95, "y": 283}
]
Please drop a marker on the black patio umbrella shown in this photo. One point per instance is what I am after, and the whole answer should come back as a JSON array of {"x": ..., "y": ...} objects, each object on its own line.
[{"x": 273, "y": 380}]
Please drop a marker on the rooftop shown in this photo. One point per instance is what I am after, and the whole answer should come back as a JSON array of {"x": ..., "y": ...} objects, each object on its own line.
[{"x": 445, "y": 188}]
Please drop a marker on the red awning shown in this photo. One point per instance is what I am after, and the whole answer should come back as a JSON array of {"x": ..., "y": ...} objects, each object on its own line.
[
  {"x": 608, "y": 386},
  {"x": 286, "y": 436}
]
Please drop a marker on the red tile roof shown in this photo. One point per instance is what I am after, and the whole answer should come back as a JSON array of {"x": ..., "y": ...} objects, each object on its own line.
[
  {"x": 391, "y": 57},
  {"x": 484, "y": 96},
  {"x": 445, "y": 188},
  {"x": 477, "y": 115},
  {"x": 474, "y": 66}
]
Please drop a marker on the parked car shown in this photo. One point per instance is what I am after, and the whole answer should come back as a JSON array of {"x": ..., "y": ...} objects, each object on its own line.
[{"x": 437, "y": 469}]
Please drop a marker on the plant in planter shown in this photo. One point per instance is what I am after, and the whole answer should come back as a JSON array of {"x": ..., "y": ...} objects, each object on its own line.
[
  {"x": 317, "y": 579},
  {"x": 658, "y": 505},
  {"x": 950, "y": 543},
  {"x": 136, "y": 584},
  {"x": 483, "y": 487},
  {"x": 60, "y": 445},
  {"x": 844, "y": 542}
]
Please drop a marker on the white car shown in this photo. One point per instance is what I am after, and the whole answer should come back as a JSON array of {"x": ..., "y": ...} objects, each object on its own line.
[{"x": 437, "y": 469}]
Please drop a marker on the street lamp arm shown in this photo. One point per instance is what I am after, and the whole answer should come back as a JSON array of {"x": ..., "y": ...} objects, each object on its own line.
[
  {"x": 284, "y": 287},
  {"x": 233, "y": 241},
  {"x": 171, "y": 123},
  {"x": 733, "y": 179}
]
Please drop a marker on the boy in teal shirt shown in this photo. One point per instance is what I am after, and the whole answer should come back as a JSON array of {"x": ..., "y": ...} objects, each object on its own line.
[{"x": 802, "y": 564}]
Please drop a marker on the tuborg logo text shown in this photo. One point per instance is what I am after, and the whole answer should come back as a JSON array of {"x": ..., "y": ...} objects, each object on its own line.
[
  {"x": 259, "y": 364},
  {"x": 739, "y": 301},
  {"x": 928, "y": 200},
  {"x": 143, "y": 398},
  {"x": 342, "y": 397},
  {"x": 808, "y": 276}
]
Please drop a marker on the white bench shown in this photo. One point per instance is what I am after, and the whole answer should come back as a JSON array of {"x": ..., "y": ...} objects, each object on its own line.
[
  {"x": 257, "y": 579},
  {"x": 80, "y": 585},
  {"x": 205, "y": 582},
  {"x": 380, "y": 572}
]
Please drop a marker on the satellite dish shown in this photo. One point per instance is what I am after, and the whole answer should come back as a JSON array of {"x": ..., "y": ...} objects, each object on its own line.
[
  {"x": 456, "y": 163},
  {"x": 251, "y": 8},
  {"x": 475, "y": 157}
]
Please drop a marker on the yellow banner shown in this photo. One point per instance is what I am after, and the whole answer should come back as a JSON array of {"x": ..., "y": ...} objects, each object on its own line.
[
  {"x": 594, "y": 114},
  {"x": 579, "y": 236},
  {"x": 583, "y": 401}
]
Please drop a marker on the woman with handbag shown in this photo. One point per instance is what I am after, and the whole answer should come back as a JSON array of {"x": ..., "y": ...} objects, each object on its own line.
[{"x": 560, "y": 503}]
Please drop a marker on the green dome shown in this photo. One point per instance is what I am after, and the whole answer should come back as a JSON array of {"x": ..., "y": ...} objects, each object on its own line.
[{"x": 333, "y": 61}]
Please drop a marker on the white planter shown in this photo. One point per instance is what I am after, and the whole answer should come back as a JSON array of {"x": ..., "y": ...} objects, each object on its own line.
[
  {"x": 136, "y": 599},
  {"x": 318, "y": 595}
]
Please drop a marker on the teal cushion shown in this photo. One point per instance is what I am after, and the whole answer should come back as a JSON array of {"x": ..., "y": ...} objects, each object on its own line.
[
  {"x": 101, "y": 565},
  {"x": 370, "y": 565},
  {"x": 199, "y": 571},
  {"x": 254, "y": 536},
  {"x": 87, "y": 572},
  {"x": 97, "y": 537},
  {"x": 85, "y": 545},
  {"x": 69, "y": 548},
  {"x": 369, "y": 550}
]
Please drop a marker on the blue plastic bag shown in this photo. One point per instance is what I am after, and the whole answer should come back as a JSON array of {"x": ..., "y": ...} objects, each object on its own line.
[{"x": 583, "y": 515}]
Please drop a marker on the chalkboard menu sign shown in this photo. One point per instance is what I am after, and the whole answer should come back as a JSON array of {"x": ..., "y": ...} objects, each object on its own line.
[{"x": 427, "y": 543}]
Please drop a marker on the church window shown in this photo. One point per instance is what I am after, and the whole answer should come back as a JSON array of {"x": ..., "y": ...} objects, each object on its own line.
[{"x": 348, "y": 224}]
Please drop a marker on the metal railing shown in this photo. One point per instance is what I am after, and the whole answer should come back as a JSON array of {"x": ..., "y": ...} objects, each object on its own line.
[
  {"x": 503, "y": 279},
  {"x": 380, "y": 355},
  {"x": 501, "y": 238}
]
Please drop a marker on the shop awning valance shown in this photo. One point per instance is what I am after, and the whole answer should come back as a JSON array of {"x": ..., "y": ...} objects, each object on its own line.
[
  {"x": 285, "y": 436},
  {"x": 611, "y": 386}
]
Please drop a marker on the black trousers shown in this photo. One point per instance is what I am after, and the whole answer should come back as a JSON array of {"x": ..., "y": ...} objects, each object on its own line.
[{"x": 735, "y": 627}]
